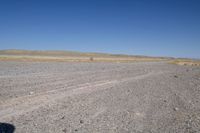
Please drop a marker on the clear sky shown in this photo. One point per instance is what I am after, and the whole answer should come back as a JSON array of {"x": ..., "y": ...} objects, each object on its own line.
[{"x": 138, "y": 27}]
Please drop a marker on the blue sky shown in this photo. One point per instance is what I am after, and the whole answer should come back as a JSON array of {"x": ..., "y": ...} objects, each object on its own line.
[{"x": 138, "y": 27}]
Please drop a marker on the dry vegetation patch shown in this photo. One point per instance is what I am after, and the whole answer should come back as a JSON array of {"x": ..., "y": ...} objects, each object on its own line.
[
  {"x": 186, "y": 62},
  {"x": 69, "y": 56}
]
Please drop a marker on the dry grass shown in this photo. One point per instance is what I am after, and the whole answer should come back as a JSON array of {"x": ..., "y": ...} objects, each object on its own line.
[
  {"x": 70, "y": 56},
  {"x": 75, "y": 59},
  {"x": 186, "y": 62}
]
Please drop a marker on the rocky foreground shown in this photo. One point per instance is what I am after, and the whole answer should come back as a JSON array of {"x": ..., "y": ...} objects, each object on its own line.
[{"x": 151, "y": 97}]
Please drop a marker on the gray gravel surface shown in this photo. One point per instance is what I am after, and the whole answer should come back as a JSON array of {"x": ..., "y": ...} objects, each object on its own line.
[{"x": 151, "y": 97}]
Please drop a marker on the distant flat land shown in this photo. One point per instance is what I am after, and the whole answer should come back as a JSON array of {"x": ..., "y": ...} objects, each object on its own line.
[
  {"x": 71, "y": 56},
  {"x": 65, "y": 56}
]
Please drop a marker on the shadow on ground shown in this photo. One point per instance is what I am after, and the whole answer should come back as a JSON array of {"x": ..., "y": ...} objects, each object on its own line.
[{"x": 7, "y": 128}]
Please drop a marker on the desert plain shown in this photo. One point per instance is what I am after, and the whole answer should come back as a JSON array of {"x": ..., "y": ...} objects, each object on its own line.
[{"x": 98, "y": 97}]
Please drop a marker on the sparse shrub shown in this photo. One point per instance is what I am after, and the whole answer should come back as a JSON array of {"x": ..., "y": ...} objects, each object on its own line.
[{"x": 91, "y": 59}]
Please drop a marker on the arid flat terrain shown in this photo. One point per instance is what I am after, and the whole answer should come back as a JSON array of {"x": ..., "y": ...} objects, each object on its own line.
[
  {"x": 97, "y": 97},
  {"x": 71, "y": 56}
]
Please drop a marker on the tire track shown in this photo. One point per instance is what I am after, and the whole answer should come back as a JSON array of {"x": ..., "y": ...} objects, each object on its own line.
[{"x": 21, "y": 105}]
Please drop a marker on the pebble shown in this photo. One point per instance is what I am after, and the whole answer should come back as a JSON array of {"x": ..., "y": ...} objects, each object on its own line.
[
  {"x": 175, "y": 76},
  {"x": 31, "y": 93},
  {"x": 81, "y": 121},
  {"x": 175, "y": 109},
  {"x": 64, "y": 130}
]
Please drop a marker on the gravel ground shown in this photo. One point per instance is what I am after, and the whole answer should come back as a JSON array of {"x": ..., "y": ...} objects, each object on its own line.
[{"x": 151, "y": 97}]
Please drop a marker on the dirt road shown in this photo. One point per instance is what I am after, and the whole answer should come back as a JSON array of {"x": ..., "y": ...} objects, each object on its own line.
[{"x": 151, "y": 97}]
